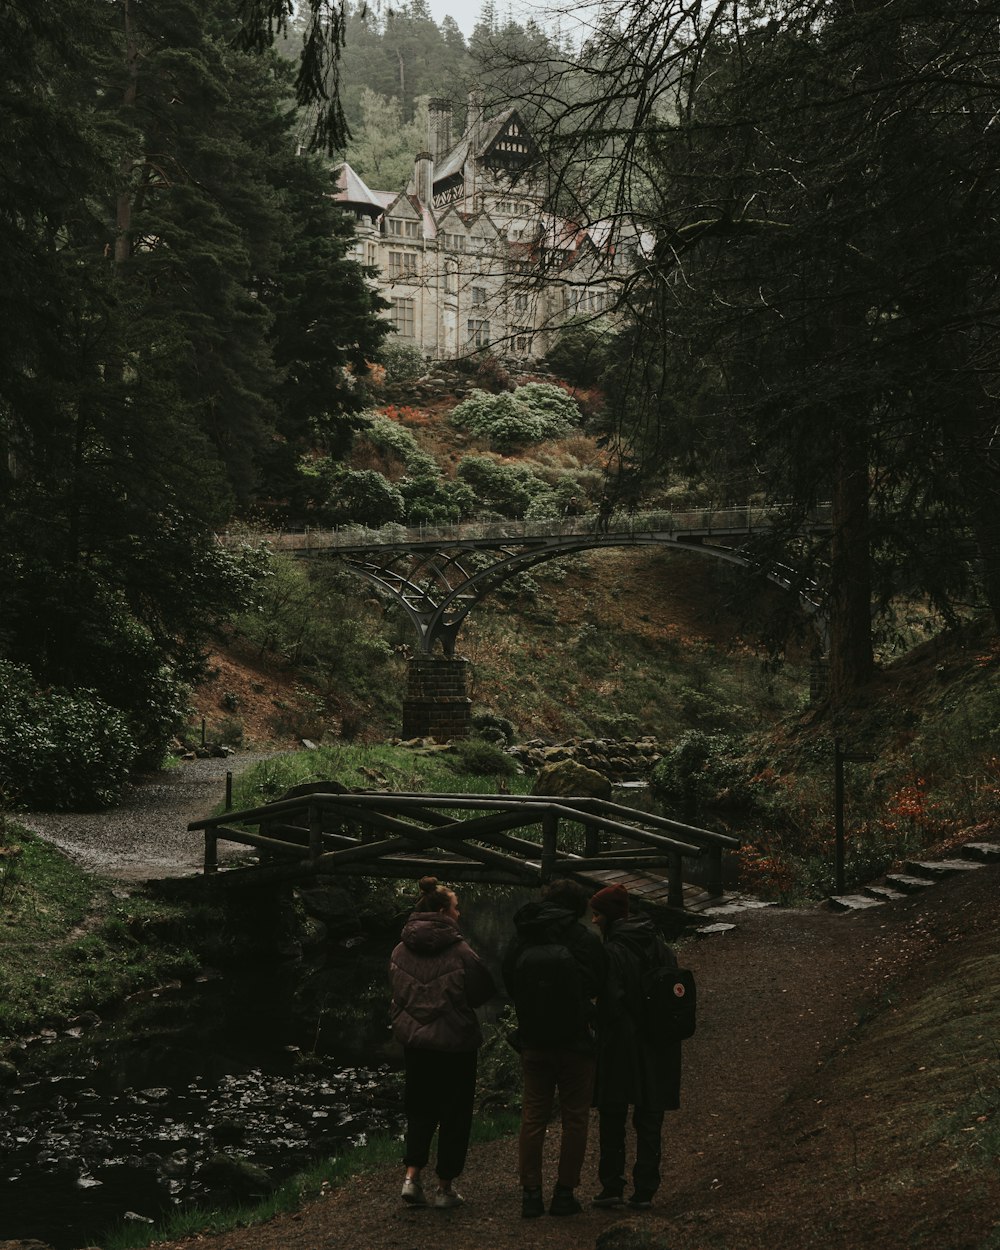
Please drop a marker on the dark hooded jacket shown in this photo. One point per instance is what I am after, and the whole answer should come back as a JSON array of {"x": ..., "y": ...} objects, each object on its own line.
[
  {"x": 541, "y": 922},
  {"x": 631, "y": 1069},
  {"x": 437, "y": 981}
]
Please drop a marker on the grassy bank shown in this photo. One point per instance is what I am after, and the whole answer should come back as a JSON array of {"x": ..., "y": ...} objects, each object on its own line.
[{"x": 68, "y": 944}]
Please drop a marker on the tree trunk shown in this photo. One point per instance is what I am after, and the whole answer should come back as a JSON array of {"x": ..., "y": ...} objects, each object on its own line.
[
  {"x": 851, "y": 654},
  {"x": 123, "y": 208}
]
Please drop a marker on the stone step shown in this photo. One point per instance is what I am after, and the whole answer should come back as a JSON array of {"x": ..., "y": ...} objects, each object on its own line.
[
  {"x": 983, "y": 852},
  {"x": 907, "y": 883},
  {"x": 935, "y": 869},
  {"x": 883, "y": 893},
  {"x": 852, "y": 902}
]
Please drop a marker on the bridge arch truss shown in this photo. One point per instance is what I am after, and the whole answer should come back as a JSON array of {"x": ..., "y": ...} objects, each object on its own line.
[{"x": 437, "y": 575}]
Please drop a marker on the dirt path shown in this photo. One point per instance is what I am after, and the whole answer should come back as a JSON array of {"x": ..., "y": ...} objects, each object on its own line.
[
  {"x": 147, "y": 836},
  {"x": 775, "y": 994}
]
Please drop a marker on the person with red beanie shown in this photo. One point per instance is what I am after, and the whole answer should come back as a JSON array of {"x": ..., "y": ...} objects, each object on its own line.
[{"x": 632, "y": 1070}]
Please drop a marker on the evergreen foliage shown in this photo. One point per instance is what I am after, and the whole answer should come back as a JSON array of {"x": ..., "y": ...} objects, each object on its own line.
[
  {"x": 183, "y": 323},
  {"x": 60, "y": 750}
]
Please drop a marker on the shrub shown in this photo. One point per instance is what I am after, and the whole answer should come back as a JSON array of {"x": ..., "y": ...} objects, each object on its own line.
[
  {"x": 61, "y": 750},
  {"x": 481, "y": 759},
  {"x": 391, "y": 437},
  {"x": 362, "y": 497},
  {"x": 557, "y": 410},
  {"x": 702, "y": 770},
  {"x": 432, "y": 500},
  {"x": 507, "y": 489},
  {"x": 492, "y": 728},
  {"x": 402, "y": 362},
  {"x": 580, "y": 353}
]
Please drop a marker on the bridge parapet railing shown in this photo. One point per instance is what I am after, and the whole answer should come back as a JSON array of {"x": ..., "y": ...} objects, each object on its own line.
[{"x": 705, "y": 522}]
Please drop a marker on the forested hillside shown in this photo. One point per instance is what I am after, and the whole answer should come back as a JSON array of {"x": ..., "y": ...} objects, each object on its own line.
[{"x": 189, "y": 347}]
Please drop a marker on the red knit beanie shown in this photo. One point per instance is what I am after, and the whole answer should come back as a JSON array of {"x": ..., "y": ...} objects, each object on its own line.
[{"x": 612, "y": 902}]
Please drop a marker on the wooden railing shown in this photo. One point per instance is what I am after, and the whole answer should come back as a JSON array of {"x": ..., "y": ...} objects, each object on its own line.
[{"x": 378, "y": 833}]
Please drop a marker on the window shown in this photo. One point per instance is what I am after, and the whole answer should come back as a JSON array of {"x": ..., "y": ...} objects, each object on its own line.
[
  {"x": 522, "y": 340},
  {"x": 479, "y": 332},
  {"x": 402, "y": 264},
  {"x": 453, "y": 242},
  {"x": 521, "y": 302},
  {"x": 478, "y": 296},
  {"x": 401, "y": 316},
  {"x": 405, "y": 229}
]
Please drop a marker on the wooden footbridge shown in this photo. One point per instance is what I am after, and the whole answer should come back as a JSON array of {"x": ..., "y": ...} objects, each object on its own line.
[{"x": 500, "y": 839}]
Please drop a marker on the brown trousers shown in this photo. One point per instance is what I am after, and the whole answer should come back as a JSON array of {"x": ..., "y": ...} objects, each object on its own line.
[{"x": 545, "y": 1072}]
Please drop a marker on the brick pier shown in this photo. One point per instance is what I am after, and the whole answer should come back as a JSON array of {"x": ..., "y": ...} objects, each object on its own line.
[{"x": 437, "y": 703}]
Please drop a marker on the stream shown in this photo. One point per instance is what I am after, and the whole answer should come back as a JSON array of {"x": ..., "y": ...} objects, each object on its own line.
[{"x": 213, "y": 1092}]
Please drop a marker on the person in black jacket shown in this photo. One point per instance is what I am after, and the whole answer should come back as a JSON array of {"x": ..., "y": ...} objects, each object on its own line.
[
  {"x": 632, "y": 1071},
  {"x": 553, "y": 970}
]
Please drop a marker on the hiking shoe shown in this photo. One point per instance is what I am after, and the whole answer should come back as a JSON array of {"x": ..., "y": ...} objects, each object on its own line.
[
  {"x": 608, "y": 1198},
  {"x": 532, "y": 1204},
  {"x": 445, "y": 1199},
  {"x": 413, "y": 1193},
  {"x": 564, "y": 1202},
  {"x": 640, "y": 1201}
]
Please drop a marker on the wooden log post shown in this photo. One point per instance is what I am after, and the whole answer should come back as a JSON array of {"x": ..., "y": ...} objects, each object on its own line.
[
  {"x": 550, "y": 845},
  {"x": 315, "y": 831},
  {"x": 714, "y": 883},
  {"x": 675, "y": 887}
]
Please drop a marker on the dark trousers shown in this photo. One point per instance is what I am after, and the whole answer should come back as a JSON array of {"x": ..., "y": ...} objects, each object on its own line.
[
  {"x": 546, "y": 1071},
  {"x": 648, "y": 1131},
  {"x": 439, "y": 1097}
]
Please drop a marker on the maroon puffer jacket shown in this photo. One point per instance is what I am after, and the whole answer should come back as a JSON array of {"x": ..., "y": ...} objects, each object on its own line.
[{"x": 437, "y": 981}]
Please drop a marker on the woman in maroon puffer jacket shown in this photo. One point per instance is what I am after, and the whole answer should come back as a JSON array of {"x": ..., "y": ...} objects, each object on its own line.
[{"x": 437, "y": 981}]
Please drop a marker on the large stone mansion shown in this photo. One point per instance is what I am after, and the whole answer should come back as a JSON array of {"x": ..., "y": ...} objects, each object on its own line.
[{"x": 467, "y": 255}]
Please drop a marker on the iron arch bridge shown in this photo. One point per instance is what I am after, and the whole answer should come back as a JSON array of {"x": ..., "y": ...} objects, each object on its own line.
[{"x": 438, "y": 574}]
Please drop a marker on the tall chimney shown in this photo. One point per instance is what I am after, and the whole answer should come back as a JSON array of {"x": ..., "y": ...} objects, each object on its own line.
[
  {"x": 439, "y": 128},
  {"x": 423, "y": 177}
]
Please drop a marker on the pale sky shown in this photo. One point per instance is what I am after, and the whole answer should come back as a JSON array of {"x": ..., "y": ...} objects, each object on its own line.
[{"x": 466, "y": 12}]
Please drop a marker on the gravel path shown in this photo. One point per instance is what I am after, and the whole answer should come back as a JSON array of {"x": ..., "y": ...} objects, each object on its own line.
[{"x": 147, "y": 836}]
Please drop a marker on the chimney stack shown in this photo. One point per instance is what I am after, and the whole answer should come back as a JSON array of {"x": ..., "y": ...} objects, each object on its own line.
[
  {"x": 439, "y": 128},
  {"x": 423, "y": 177}
]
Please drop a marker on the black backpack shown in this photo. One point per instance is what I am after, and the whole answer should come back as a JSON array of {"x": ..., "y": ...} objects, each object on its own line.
[
  {"x": 669, "y": 999},
  {"x": 548, "y": 995}
]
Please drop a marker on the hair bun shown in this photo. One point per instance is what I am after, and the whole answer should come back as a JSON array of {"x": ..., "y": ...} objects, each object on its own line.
[{"x": 428, "y": 885}]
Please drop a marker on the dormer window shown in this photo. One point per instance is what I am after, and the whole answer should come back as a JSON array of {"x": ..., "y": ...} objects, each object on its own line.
[{"x": 404, "y": 229}]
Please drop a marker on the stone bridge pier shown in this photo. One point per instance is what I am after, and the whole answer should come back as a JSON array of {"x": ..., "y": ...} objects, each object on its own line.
[{"x": 437, "y": 703}]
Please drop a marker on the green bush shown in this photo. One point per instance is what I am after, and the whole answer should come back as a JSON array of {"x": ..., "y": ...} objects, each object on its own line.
[
  {"x": 580, "y": 352},
  {"x": 702, "y": 770},
  {"x": 402, "y": 362},
  {"x": 532, "y": 413},
  {"x": 433, "y": 500},
  {"x": 362, "y": 497},
  {"x": 60, "y": 750},
  {"x": 558, "y": 411},
  {"x": 481, "y": 758},
  {"x": 492, "y": 728},
  {"x": 506, "y": 489}
]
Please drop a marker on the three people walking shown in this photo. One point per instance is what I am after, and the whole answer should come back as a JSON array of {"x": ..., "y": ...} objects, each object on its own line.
[{"x": 580, "y": 1033}]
